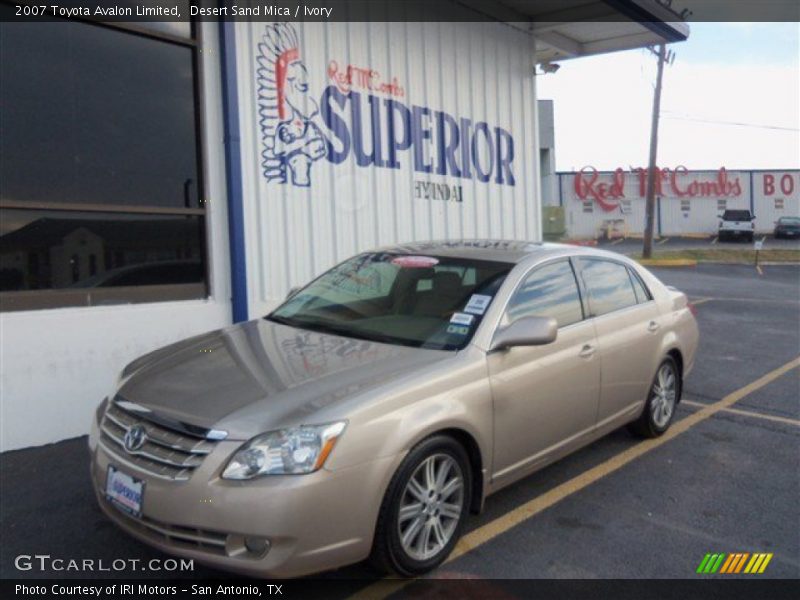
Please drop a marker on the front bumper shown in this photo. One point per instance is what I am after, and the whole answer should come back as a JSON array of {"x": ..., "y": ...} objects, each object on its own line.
[{"x": 313, "y": 522}]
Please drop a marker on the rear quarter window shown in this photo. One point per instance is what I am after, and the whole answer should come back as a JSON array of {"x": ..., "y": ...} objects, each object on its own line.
[
  {"x": 608, "y": 284},
  {"x": 642, "y": 293}
]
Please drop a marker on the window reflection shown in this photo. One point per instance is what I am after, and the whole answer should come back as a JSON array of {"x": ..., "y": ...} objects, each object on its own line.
[
  {"x": 609, "y": 286},
  {"x": 79, "y": 250},
  {"x": 550, "y": 291},
  {"x": 95, "y": 115}
]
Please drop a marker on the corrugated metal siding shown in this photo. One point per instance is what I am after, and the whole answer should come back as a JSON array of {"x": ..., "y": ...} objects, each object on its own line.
[
  {"x": 480, "y": 71},
  {"x": 776, "y": 194},
  {"x": 703, "y": 213}
]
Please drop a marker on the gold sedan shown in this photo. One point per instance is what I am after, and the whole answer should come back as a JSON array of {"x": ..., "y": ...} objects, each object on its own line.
[{"x": 378, "y": 406}]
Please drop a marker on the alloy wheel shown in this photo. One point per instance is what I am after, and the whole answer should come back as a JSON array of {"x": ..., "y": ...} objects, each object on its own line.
[
  {"x": 664, "y": 393},
  {"x": 431, "y": 506}
]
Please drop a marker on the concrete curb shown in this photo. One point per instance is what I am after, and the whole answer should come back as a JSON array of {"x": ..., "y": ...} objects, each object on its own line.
[
  {"x": 761, "y": 263},
  {"x": 667, "y": 262}
]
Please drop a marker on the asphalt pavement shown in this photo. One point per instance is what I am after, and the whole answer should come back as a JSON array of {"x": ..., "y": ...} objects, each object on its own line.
[{"x": 728, "y": 483}]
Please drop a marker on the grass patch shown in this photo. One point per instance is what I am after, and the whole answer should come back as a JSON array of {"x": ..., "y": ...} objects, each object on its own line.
[{"x": 730, "y": 255}]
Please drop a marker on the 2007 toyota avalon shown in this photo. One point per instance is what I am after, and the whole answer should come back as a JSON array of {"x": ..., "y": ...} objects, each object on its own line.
[{"x": 378, "y": 406}]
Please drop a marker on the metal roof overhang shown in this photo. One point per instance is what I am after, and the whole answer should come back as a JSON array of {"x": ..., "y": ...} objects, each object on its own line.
[{"x": 573, "y": 28}]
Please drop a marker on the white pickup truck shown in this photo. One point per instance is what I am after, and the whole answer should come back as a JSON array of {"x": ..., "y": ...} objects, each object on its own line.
[{"x": 737, "y": 224}]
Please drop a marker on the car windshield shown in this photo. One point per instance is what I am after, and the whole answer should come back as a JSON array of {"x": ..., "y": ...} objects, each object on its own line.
[
  {"x": 423, "y": 301},
  {"x": 736, "y": 215},
  {"x": 790, "y": 220}
]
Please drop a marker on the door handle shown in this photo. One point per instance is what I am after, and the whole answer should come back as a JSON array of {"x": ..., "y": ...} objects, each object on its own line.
[
  {"x": 586, "y": 351},
  {"x": 653, "y": 326}
]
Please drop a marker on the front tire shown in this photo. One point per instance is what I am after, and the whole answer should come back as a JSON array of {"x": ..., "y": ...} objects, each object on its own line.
[
  {"x": 663, "y": 398},
  {"x": 424, "y": 509}
]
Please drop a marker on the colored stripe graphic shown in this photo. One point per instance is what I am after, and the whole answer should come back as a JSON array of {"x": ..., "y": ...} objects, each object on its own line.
[
  {"x": 735, "y": 562},
  {"x": 718, "y": 563},
  {"x": 703, "y": 563},
  {"x": 726, "y": 567},
  {"x": 711, "y": 563}
]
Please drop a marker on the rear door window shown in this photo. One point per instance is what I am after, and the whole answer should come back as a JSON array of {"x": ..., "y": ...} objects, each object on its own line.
[
  {"x": 608, "y": 285},
  {"x": 549, "y": 291}
]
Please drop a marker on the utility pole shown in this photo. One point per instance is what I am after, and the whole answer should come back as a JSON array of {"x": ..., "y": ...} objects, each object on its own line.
[{"x": 650, "y": 206}]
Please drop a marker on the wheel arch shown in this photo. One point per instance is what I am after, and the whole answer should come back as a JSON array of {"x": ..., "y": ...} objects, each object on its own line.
[
  {"x": 470, "y": 444},
  {"x": 677, "y": 356}
]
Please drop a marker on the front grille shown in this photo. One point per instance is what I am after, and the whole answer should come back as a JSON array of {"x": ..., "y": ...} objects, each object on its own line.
[
  {"x": 189, "y": 537},
  {"x": 166, "y": 453}
]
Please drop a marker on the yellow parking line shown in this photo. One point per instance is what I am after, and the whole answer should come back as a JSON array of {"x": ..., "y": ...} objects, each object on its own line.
[
  {"x": 617, "y": 241},
  {"x": 714, "y": 241},
  {"x": 758, "y": 268},
  {"x": 749, "y": 413},
  {"x": 500, "y": 525},
  {"x": 664, "y": 241}
]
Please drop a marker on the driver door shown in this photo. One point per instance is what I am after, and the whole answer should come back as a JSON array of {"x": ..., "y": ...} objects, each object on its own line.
[{"x": 545, "y": 397}]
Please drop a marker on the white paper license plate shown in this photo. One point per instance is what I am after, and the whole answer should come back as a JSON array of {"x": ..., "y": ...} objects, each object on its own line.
[{"x": 124, "y": 491}]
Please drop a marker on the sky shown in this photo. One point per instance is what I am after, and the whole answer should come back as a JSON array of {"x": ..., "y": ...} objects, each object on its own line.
[{"x": 731, "y": 98}]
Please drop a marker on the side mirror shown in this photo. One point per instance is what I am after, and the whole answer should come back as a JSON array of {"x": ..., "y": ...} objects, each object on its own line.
[
  {"x": 293, "y": 291},
  {"x": 528, "y": 331}
]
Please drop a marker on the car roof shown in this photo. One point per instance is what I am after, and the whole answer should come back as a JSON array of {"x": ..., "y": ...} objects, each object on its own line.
[{"x": 508, "y": 251}]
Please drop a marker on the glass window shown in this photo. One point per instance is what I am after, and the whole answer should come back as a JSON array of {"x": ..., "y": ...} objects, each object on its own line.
[
  {"x": 642, "y": 293},
  {"x": 100, "y": 177},
  {"x": 550, "y": 291},
  {"x": 379, "y": 296},
  {"x": 608, "y": 284},
  {"x": 94, "y": 115},
  {"x": 50, "y": 250}
]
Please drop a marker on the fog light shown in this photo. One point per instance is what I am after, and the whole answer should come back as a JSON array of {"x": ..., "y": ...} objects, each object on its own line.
[{"x": 256, "y": 545}]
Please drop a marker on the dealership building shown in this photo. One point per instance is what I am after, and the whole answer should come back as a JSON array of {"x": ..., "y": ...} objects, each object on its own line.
[
  {"x": 159, "y": 180},
  {"x": 611, "y": 204}
]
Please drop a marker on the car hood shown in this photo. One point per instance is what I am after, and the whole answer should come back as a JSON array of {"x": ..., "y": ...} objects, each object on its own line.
[{"x": 260, "y": 375}]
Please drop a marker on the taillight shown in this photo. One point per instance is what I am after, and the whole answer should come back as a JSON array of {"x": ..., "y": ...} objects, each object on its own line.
[{"x": 692, "y": 308}]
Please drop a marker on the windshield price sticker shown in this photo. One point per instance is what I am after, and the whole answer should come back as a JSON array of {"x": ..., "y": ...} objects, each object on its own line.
[
  {"x": 477, "y": 304},
  {"x": 458, "y": 329},
  {"x": 415, "y": 262},
  {"x": 462, "y": 319}
]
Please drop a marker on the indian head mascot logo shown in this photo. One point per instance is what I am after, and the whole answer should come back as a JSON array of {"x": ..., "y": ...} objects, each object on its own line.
[{"x": 288, "y": 115}]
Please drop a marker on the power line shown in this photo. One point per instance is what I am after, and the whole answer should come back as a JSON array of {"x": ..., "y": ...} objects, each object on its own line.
[{"x": 734, "y": 123}]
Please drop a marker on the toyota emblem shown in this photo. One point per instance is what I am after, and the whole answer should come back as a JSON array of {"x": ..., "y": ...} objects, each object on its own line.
[{"x": 134, "y": 438}]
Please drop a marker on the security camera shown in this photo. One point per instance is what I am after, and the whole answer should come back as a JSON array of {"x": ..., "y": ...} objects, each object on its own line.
[{"x": 549, "y": 67}]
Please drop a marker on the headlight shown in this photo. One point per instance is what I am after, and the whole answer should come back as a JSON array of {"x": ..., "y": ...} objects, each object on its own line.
[{"x": 285, "y": 452}]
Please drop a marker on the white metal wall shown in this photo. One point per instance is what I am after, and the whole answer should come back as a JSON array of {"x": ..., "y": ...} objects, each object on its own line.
[
  {"x": 775, "y": 194},
  {"x": 770, "y": 194},
  {"x": 479, "y": 71}
]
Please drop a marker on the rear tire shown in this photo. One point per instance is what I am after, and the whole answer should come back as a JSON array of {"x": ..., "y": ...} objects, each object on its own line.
[
  {"x": 662, "y": 400},
  {"x": 424, "y": 508}
]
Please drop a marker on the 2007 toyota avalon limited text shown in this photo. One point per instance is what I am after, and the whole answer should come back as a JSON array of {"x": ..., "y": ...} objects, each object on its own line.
[{"x": 378, "y": 406}]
